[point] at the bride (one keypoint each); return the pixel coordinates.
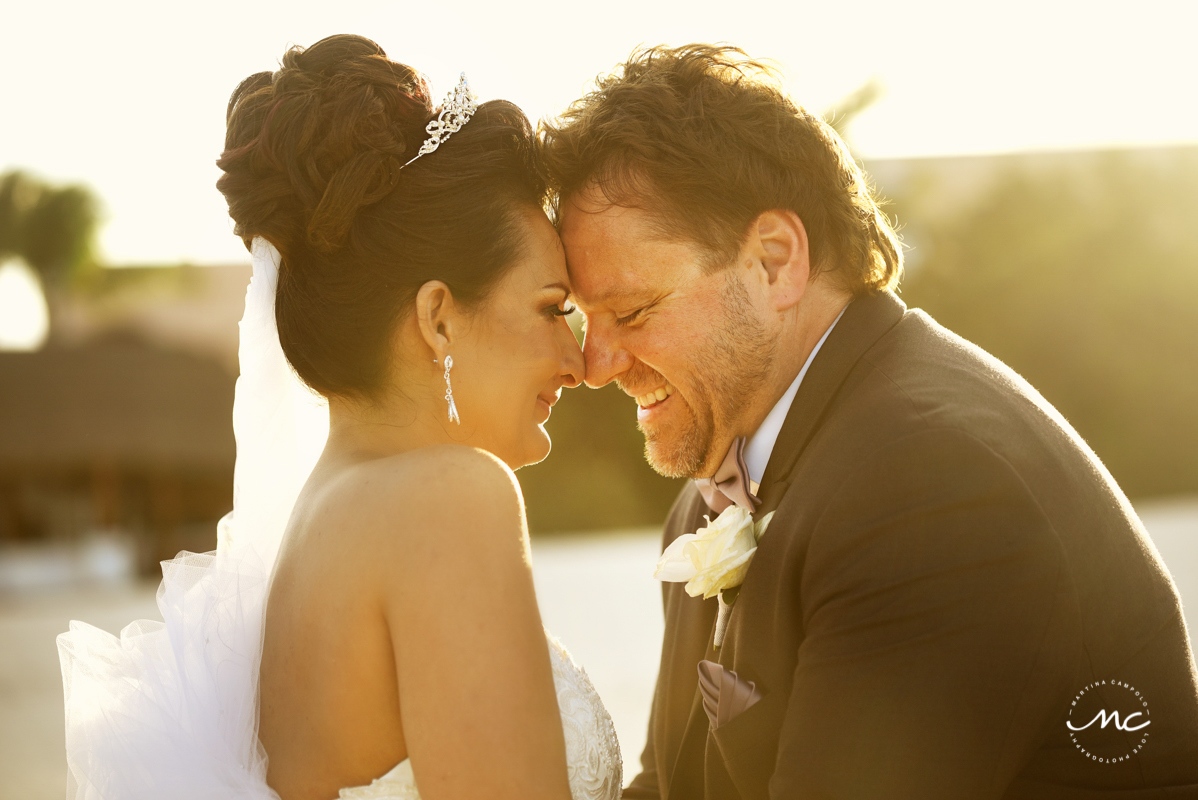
(367, 624)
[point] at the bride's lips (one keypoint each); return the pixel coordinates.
(546, 402)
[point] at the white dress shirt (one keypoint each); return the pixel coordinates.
(761, 445)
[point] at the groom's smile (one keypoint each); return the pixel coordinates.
(652, 400)
(665, 327)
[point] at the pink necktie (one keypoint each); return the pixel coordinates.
(730, 485)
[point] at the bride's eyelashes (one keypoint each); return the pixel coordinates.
(556, 310)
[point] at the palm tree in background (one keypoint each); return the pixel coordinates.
(52, 229)
(841, 115)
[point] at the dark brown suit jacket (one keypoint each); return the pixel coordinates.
(948, 565)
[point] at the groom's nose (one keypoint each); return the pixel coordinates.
(605, 358)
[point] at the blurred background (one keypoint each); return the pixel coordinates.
(1041, 159)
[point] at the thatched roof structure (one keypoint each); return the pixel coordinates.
(114, 403)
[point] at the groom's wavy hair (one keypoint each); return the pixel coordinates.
(313, 162)
(706, 140)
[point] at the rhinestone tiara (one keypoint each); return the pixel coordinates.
(457, 109)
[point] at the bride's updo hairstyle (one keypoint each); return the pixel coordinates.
(312, 163)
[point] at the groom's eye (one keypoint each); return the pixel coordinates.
(621, 321)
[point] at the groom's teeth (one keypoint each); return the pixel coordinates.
(655, 396)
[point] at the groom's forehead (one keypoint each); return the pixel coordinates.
(614, 251)
(600, 280)
(612, 292)
(584, 220)
(592, 232)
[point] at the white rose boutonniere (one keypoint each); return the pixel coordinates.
(714, 558)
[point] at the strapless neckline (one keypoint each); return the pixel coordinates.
(592, 750)
(398, 784)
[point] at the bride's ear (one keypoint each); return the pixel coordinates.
(435, 316)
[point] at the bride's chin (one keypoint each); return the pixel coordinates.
(537, 448)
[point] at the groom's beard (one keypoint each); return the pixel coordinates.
(731, 365)
(680, 451)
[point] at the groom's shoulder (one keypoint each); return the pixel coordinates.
(921, 380)
(920, 349)
(947, 380)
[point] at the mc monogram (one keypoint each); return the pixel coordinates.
(1118, 735)
(1123, 726)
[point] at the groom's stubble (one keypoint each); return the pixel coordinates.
(734, 361)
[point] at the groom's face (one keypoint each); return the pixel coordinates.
(678, 337)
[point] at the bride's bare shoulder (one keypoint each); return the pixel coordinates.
(447, 496)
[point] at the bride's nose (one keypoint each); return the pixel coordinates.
(573, 367)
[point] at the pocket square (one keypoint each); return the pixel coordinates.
(725, 694)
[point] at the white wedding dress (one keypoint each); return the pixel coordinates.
(592, 753)
(170, 709)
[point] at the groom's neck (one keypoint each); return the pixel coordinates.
(801, 330)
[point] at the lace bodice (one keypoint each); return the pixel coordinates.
(592, 752)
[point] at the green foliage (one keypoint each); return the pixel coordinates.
(52, 228)
(18, 195)
(1085, 281)
(59, 233)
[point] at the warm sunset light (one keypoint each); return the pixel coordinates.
(131, 102)
(621, 400)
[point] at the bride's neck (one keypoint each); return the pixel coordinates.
(362, 429)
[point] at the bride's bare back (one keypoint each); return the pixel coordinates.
(402, 622)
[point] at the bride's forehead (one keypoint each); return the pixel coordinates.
(544, 257)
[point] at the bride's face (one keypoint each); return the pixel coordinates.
(517, 352)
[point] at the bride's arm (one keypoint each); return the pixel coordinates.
(477, 701)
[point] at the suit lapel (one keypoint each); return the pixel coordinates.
(687, 773)
(864, 322)
(693, 621)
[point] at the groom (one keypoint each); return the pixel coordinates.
(951, 585)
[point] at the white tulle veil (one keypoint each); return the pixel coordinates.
(170, 709)
(279, 423)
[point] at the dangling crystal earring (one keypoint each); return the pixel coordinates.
(453, 408)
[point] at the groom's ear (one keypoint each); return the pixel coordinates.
(434, 316)
(778, 242)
